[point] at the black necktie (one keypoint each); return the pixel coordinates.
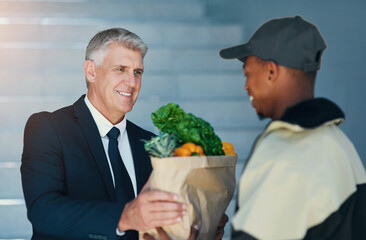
(122, 181)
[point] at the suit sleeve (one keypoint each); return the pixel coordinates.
(50, 210)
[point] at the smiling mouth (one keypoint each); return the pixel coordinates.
(251, 98)
(124, 94)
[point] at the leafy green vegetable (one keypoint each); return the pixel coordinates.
(188, 128)
(162, 145)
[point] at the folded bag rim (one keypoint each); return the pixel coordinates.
(167, 164)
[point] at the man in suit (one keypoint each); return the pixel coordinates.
(84, 166)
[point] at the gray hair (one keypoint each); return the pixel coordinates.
(97, 47)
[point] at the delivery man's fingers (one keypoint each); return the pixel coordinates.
(194, 232)
(221, 227)
(148, 237)
(162, 234)
(224, 220)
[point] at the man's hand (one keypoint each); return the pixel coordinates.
(151, 209)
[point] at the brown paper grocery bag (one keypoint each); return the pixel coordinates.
(206, 184)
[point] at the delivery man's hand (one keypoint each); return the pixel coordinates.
(221, 228)
(164, 236)
(194, 231)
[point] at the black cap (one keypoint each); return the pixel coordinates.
(290, 42)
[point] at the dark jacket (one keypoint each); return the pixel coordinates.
(66, 179)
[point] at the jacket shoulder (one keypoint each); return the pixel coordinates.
(46, 125)
(58, 114)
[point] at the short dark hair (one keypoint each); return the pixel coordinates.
(301, 75)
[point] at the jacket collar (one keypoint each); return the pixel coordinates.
(140, 157)
(103, 124)
(312, 113)
(308, 115)
(302, 116)
(92, 136)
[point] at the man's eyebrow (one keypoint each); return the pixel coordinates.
(139, 69)
(120, 66)
(123, 66)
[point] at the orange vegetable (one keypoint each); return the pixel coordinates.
(182, 152)
(199, 150)
(189, 149)
(228, 148)
(190, 146)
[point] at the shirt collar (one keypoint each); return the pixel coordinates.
(104, 126)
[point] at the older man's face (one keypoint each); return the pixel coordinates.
(117, 82)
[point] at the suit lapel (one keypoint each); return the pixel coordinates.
(140, 158)
(92, 136)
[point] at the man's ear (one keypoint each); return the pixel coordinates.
(90, 70)
(272, 71)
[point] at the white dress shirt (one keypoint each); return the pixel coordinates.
(104, 126)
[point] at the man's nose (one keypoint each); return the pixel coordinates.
(246, 86)
(130, 79)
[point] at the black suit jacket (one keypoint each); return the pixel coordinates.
(66, 179)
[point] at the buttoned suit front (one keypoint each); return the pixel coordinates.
(67, 182)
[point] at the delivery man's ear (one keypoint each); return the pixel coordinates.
(272, 70)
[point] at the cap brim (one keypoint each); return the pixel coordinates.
(240, 52)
